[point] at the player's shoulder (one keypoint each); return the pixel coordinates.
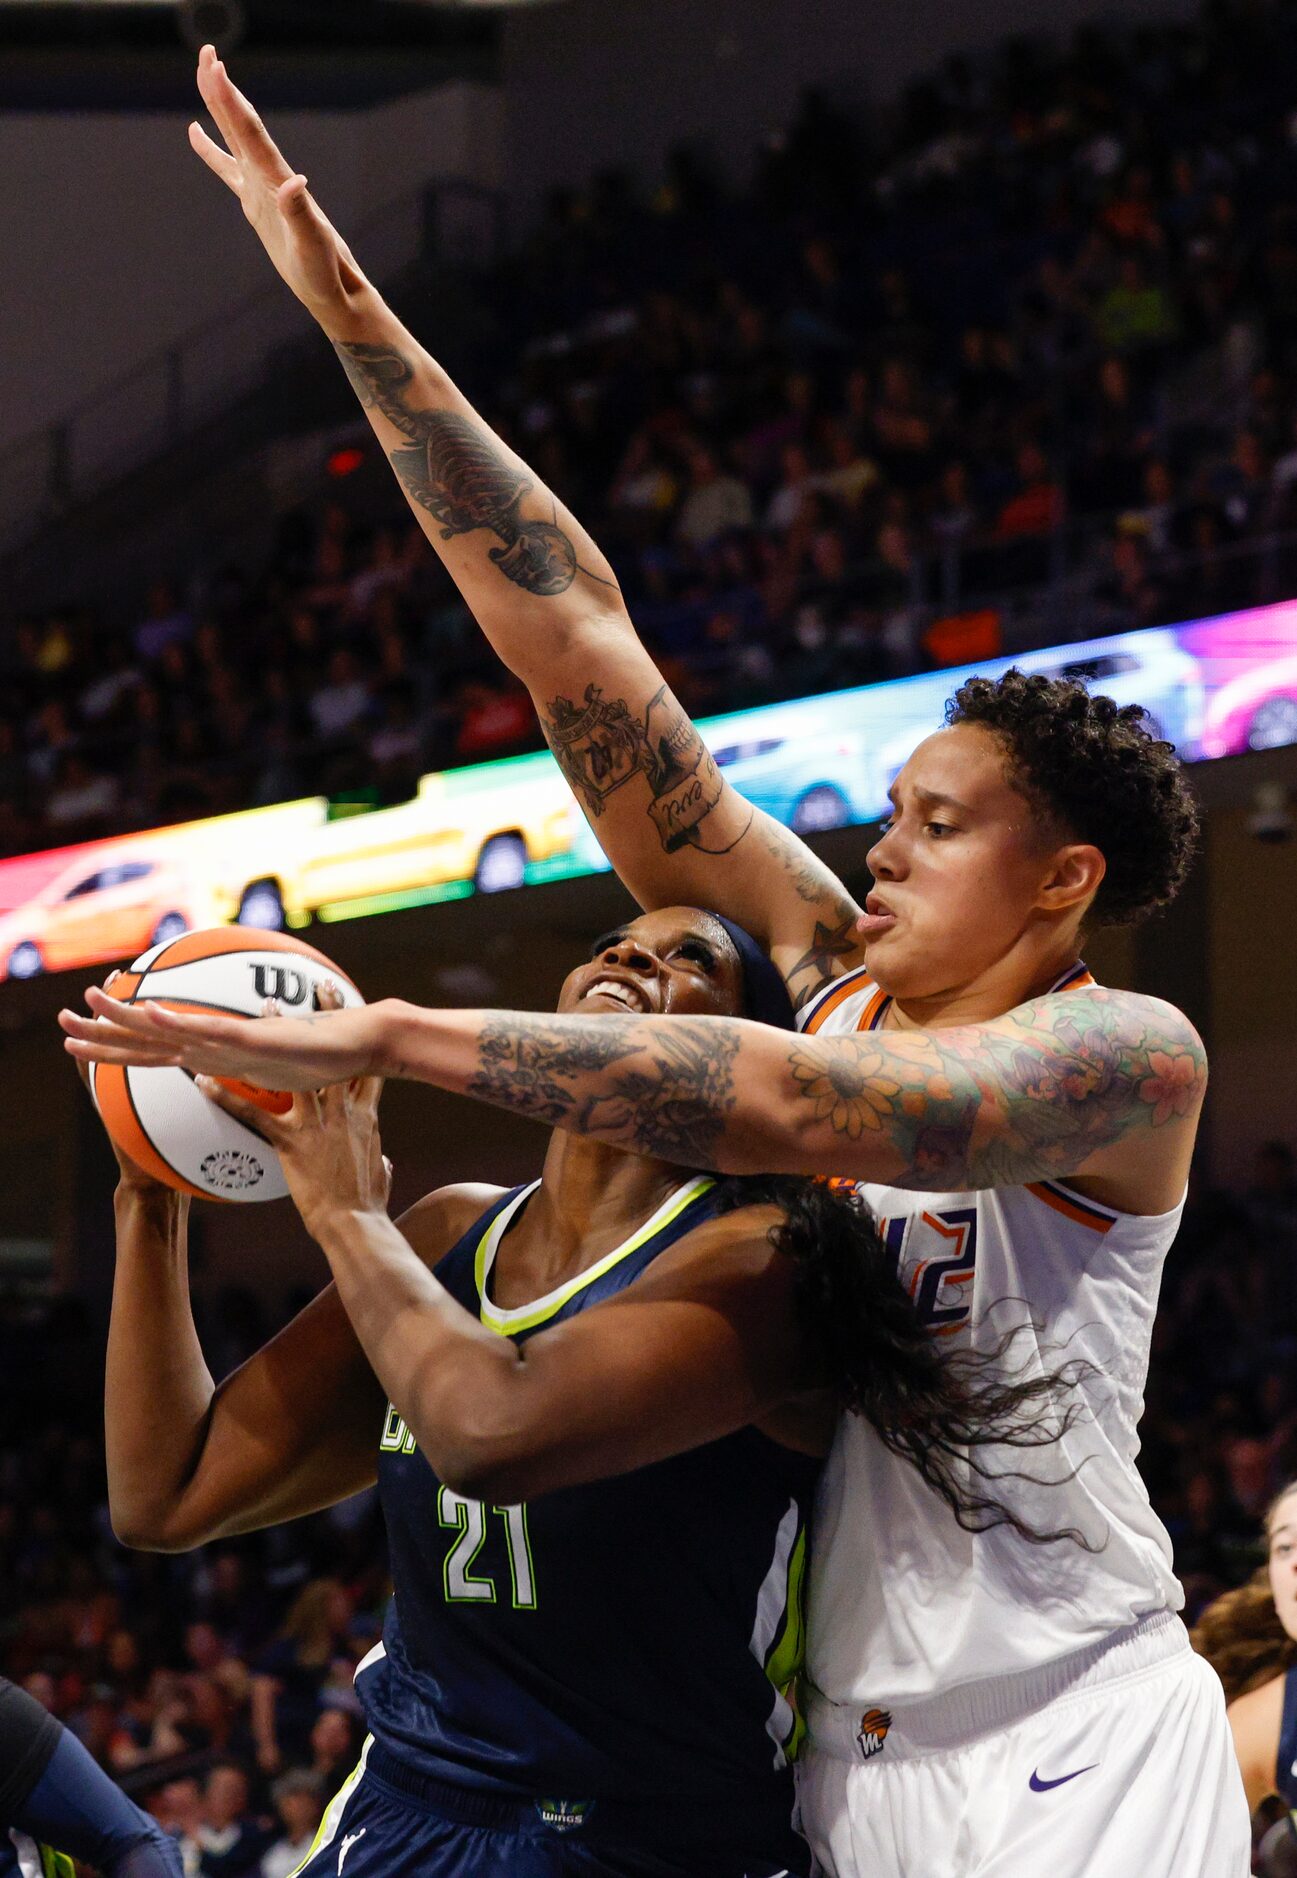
(434, 1223)
(731, 1249)
(1135, 1017)
(1260, 1706)
(1255, 1721)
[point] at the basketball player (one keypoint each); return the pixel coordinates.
(1250, 1637)
(1023, 1133)
(53, 1793)
(623, 1644)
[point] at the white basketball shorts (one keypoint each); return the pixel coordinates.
(1114, 1763)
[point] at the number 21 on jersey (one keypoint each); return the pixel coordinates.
(462, 1584)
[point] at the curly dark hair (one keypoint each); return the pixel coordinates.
(1094, 769)
(1241, 1633)
(938, 1409)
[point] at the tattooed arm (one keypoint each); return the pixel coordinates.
(1070, 1085)
(1099, 1086)
(544, 595)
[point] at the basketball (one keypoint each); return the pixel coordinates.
(158, 1116)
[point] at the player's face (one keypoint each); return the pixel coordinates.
(676, 962)
(959, 869)
(1283, 1560)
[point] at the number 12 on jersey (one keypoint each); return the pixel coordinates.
(936, 1259)
(462, 1584)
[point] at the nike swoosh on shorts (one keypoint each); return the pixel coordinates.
(1038, 1785)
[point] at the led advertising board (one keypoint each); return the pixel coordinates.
(1215, 687)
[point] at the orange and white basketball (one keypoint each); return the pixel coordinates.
(157, 1116)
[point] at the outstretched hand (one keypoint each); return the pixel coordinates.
(288, 1053)
(301, 241)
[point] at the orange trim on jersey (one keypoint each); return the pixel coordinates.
(873, 1011)
(1075, 978)
(846, 985)
(1072, 1206)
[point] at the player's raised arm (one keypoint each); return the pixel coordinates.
(542, 592)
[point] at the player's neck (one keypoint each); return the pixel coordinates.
(1011, 981)
(591, 1198)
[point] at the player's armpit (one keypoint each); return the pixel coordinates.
(674, 829)
(706, 1343)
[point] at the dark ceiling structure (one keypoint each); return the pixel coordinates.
(138, 54)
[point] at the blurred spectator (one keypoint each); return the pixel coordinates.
(492, 722)
(166, 622)
(299, 1802)
(178, 1809)
(292, 1667)
(340, 703)
(231, 1841)
(334, 1746)
(716, 503)
(1036, 506)
(1249, 1636)
(81, 798)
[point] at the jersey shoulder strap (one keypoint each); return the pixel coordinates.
(856, 1002)
(466, 1268)
(1286, 1760)
(851, 1002)
(456, 1267)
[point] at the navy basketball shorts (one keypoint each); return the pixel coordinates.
(377, 1828)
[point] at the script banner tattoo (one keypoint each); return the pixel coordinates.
(458, 471)
(600, 744)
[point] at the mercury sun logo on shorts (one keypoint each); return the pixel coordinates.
(872, 1732)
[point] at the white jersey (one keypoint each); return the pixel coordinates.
(906, 1605)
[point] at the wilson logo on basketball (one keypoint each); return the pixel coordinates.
(282, 982)
(872, 1732)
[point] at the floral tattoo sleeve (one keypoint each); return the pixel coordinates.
(1033, 1095)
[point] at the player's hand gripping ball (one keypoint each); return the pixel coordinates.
(157, 1116)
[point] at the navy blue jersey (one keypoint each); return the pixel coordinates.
(629, 1638)
(1286, 1765)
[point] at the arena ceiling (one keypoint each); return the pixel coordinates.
(137, 54)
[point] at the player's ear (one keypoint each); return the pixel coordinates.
(1072, 877)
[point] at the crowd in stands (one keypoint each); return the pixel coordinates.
(217, 1685)
(1014, 366)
